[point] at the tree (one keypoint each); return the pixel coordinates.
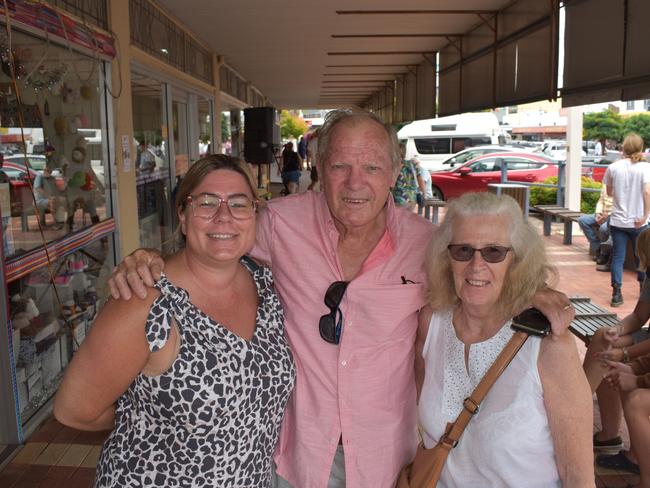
(603, 125)
(291, 126)
(639, 124)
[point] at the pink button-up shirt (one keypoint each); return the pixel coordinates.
(364, 388)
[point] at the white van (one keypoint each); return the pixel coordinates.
(434, 140)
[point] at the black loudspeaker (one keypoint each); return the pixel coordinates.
(261, 134)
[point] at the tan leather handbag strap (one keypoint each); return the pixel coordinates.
(472, 403)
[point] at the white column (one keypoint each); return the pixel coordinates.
(573, 168)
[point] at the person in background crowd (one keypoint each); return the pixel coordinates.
(628, 183)
(622, 343)
(291, 167)
(351, 297)
(49, 198)
(145, 160)
(406, 188)
(600, 221)
(302, 148)
(534, 427)
(194, 378)
(633, 382)
(598, 149)
(424, 182)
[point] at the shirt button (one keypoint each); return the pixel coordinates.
(344, 363)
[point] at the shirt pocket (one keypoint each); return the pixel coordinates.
(387, 313)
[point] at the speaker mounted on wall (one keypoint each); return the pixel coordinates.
(261, 134)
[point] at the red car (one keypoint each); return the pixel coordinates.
(476, 174)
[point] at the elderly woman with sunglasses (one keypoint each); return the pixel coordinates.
(534, 427)
(194, 378)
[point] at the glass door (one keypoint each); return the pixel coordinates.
(152, 162)
(180, 133)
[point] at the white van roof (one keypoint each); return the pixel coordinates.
(466, 124)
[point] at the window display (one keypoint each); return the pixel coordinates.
(57, 229)
(48, 321)
(59, 153)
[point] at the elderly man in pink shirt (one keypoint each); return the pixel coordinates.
(348, 268)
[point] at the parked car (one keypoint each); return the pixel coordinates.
(476, 174)
(36, 161)
(556, 149)
(472, 152)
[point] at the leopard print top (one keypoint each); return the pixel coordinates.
(213, 418)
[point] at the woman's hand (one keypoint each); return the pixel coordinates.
(139, 270)
(622, 381)
(614, 354)
(557, 308)
(612, 335)
(620, 376)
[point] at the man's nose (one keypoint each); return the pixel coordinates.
(355, 176)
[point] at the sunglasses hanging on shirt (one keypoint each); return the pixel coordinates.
(330, 324)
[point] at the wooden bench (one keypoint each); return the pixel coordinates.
(431, 207)
(589, 318)
(566, 215)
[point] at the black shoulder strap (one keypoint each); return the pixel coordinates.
(250, 263)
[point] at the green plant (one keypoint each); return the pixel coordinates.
(547, 196)
(589, 199)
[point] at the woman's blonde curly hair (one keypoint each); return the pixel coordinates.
(529, 271)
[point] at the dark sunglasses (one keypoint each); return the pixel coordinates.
(330, 324)
(490, 254)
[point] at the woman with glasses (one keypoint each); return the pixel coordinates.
(192, 380)
(534, 427)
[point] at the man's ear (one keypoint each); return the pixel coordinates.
(395, 175)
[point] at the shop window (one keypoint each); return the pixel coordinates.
(50, 321)
(55, 165)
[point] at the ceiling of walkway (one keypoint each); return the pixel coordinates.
(310, 53)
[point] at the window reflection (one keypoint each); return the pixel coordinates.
(60, 152)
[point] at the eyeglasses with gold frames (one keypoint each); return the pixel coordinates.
(207, 205)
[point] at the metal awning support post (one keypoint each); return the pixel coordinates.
(574, 158)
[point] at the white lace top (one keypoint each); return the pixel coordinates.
(508, 442)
